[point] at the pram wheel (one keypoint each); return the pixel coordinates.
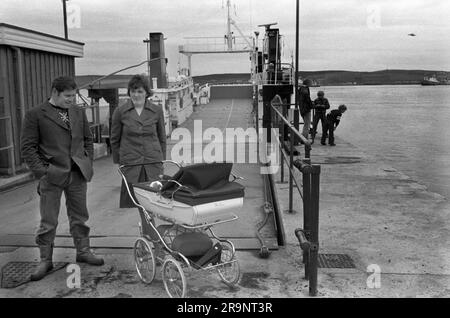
(229, 273)
(144, 260)
(173, 278)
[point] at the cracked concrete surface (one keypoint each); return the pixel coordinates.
(369, 210)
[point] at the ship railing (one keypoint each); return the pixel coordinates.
(184, 82)
(95, 124)
(308, 187)
(277, 73)
(195, 45)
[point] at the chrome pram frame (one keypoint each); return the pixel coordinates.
(150, 250)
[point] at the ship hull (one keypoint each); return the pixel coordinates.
(428, 83)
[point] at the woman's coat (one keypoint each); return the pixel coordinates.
(138, 139)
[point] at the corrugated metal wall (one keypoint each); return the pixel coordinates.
(39, 69)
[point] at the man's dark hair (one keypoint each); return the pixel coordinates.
(138, 81)
(342, 107)
(307, 82)
(63, 83)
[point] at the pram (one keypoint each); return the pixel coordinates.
(190, 202)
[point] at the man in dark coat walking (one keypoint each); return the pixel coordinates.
(305, 105)
(57, 146)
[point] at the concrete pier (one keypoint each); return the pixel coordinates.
(370, 211)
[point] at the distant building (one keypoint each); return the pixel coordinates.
(29, 60)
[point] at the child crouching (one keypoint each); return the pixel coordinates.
(331, 122)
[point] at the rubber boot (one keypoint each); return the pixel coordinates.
(84, 253)
(46, 263)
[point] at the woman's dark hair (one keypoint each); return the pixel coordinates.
(63, 83)
(138, 81)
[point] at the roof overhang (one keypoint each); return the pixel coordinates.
(15, 36)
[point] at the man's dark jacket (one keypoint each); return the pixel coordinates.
(50, 147)
(305, 103)
(334, 117)
(321, 105)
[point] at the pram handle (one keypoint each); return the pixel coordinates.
(236, 177)
(179, 187)
(140, 164)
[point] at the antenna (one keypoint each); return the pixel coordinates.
(267, 26)
(231, 44)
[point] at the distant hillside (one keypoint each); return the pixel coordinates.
(324, 78)
(385, 77)
(337, 77)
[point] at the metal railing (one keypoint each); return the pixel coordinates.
(309, 190)
(94, 125)
(279, 73)
(10, 146)
(215, 44)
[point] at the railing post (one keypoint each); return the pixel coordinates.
(297, 30)
(281, 142)
(314, 230)
(306, 173)
(309, 235)
(291, 166)
(308, 151)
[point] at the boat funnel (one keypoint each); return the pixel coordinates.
(158, 67)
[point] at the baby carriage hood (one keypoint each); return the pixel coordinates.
(203, 183)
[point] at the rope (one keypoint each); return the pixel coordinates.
(121, 70)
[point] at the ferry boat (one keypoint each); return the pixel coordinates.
(430, 80)
(176, 95)
(434, 80)
(177, 100)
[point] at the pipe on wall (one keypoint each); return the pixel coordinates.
(20, 85)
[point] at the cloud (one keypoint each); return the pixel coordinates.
(344, 33)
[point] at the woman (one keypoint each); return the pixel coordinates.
(137, 136)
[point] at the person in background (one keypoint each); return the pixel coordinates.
(305, 105)
(138, 135)
(321, 105)
(57, 146)
(331, 123)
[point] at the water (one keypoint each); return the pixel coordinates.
(408, 126)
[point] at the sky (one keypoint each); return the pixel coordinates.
(355, 35)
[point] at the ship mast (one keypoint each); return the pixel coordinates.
(214, 45)
(229, 33)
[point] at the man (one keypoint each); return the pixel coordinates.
(321, 105)
(305, 105)
(57, 146)
(331, 123)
